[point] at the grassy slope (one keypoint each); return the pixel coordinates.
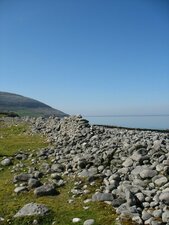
(14, 138)
(25, 106)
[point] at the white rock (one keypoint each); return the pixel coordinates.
(89, 222)
(6, 162)
(76, 220)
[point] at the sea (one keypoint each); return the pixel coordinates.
(160, 122)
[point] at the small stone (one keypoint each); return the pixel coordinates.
(148, 173)
(89, 222)
(56, 176)
(76, 220)
(157, 213)
(137, 219)
(18, 190)
(164, 197)
(86, 207)
(128, 162)
(1, 219)
(35, 222)
(161, 181)
(32, 183)
(146, 215)
(102, 197)
(87, 200)
(6, 162)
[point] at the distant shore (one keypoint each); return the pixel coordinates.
(130, 128)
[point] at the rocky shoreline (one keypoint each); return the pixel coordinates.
(133, 166)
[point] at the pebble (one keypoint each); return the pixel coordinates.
(76, 220)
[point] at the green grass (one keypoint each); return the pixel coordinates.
(14, 138)
(61, 211)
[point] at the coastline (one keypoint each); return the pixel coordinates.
(131, 128)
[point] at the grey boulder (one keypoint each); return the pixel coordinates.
(102, 197)
(148, 173)
(22, 177)
(164, 197)
(46, 189)
(32, 209)
(33, 183)
(165, 216)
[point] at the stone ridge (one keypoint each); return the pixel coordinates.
(132, 165)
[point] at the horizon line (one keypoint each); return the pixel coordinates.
(127, 115)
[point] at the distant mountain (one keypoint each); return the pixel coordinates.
(24, 106)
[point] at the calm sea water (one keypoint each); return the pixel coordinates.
(150, 122)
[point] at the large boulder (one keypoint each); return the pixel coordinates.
(32, 209)
(22, 177)
(46, 189)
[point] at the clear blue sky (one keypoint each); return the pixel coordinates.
(89, 57)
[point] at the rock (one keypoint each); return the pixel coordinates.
(18, 190)
(157, 144)
(21, 156)
(128, 162)
(88, 172)
(2, 219)
(37, 174)
(22, 177)
(161, 181)
(165, 216)
(89, 222)
(164, 197)
(59, 183)
(33, 183)
(34, 222)
(130, 198)
(32, 209)
(76, 220)
(157, 213)
(137, 219)
(117, 202)
(146, 215)
(148, 173)
(6, 162)
(56, 176)
(122, 209)
(140, 196)
(102, 197)
(156, 222)
(136, 156)
(46, 189)
(57, 168)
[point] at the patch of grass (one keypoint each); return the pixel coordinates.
(61, 211)
(14, 138)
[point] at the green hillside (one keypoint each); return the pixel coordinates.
(25, 106)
